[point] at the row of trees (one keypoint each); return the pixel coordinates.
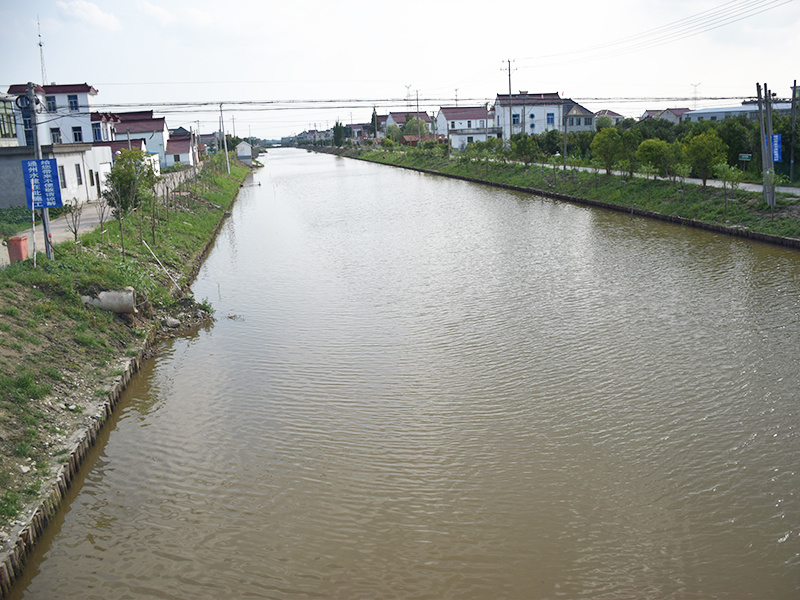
(654, 145)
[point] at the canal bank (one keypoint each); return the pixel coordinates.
(65, 365)
(728, 212)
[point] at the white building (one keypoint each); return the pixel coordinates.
(64, 129)
(747, 109)
(466, 124)
(63, 114)
(143, 126)
(529, 113)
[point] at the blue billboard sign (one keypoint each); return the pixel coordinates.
(777, 153)
(42, 188)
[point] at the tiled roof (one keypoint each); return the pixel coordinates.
(400, 117)
(139, 115)
(179, 146)
(123, 145)
(529, 99)
(452, 113)
(143, 126)
(70, 88)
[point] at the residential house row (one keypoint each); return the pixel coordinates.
(462, 125)
(531, 113)
(83, 141)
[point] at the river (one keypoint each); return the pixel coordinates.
(418, 387)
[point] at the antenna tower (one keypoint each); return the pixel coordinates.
(41, 52)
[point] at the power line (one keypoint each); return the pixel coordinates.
(702, 22)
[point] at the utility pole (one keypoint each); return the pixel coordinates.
(510, 102)
(224, 139)
(795, 98)
(765, 126)
(564, 150)
(419, 123)
(32, 100)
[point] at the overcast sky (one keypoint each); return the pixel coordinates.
(349, 55)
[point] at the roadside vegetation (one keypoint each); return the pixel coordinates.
(58, 356)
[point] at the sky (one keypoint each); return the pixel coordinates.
(279, 68)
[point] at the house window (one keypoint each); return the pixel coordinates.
(469, 124)
(97, 132)
(55, 135)
(713, 118)
(78, 174)
(73, 102)
(27, 125)
(570, 121)
(51, 103)
(483, 123)
(77, 135)
(532, 126)
(452, 124)
(515, 119)
(176, 158)
(62, 177)
(469, 139)
(551, 118)
(8, 125)
(91, 177)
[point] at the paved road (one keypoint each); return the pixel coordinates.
(59, 231)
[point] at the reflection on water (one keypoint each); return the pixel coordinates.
(422, 388)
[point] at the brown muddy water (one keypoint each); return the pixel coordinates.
(424, 388)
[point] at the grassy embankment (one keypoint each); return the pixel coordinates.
(708, 204)
(58, 356)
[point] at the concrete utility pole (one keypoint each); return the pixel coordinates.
(765, 126)
(795, 99)
(224, 139)
(510, 104)
(419, 123)
(32, 100)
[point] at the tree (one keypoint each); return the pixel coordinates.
(550, 141)
(394, 133)
(338, 134)
(607, 146)
(655, 153)
(631, 139)
(704, 152)
(128, 185)
(524, 148)
(374, 124)
(414, 126)
(731, 177)
(604, 121)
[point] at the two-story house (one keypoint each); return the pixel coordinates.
(529, 113)
(466, 124)
(141, 125)
(577, 117)
(64, 132)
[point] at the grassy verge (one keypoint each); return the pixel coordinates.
(59, 356)
(737, 208)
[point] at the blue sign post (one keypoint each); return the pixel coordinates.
(777, 150)
(42, 188)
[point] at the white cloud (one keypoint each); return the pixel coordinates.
(161, 15)
(82, 10)
(200, 18)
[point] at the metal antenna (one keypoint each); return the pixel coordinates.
(41, 52)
